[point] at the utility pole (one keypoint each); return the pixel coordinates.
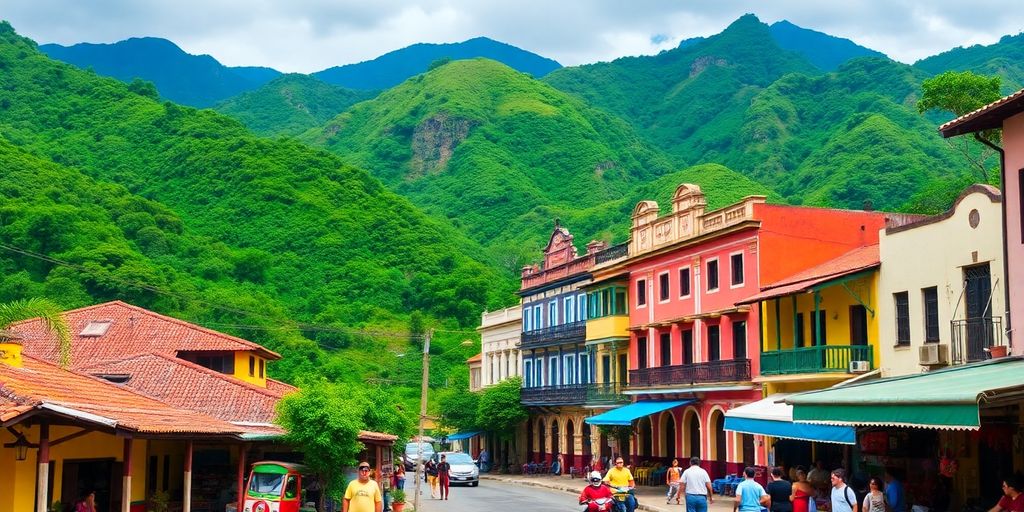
(423, 416)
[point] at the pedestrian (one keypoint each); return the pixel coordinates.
(803, 492)
(621, 478)
(874, 500)
(444, 474)
(750, 496)
(894, 494)
(400, 477)
(696, 486)
(780, 490)
(363, 494)
(485, 461)
(672, 476)
(431, 469)
(87, 503)
(843, 498)
(1013, 499)
(819, 477)
(556, 467)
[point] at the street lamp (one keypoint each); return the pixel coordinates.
(21, 446)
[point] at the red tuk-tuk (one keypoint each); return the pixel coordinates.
(274, 487)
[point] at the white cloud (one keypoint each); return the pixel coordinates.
(309, 35)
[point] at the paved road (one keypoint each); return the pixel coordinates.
(491, 496)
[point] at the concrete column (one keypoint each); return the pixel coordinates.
(485, 369)
(186, 505)
(241, 476)
(126, 479)
(43, 472)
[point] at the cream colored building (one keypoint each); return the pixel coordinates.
(499, 345)
(941, 286)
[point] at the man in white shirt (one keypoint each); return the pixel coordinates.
(843, 498)
(696, 485)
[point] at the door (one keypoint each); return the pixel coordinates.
(858, 326)
(102, 477)
(978, 305)
(606, 369)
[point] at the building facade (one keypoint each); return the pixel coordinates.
(499, 344)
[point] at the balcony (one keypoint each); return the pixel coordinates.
(575, 332)
(606, 393)
(730, 370)
(972, 336)
(818, 359)
(563, 394)
(612, 253)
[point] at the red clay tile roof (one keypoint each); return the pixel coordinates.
(857, 260)
(187, 385)
(65, 392)
(476, 359)
(280, 388)
(366, 435)
(133, 330)
(985, 118)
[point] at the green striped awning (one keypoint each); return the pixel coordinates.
(945, 399)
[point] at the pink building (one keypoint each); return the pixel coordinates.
(1007, 114)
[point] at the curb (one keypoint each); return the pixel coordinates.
(555, 487)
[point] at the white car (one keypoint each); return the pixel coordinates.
(464, 469)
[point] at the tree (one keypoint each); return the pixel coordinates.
(323, 422)
(459, 408)
(49, 313)
(500, 409)
(962, 92)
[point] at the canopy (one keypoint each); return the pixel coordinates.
(944, 399)
(459, 436)
(769, 417)
(625, 415)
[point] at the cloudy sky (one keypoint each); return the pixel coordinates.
(309, 35)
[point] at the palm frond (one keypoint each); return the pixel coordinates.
(49, 313)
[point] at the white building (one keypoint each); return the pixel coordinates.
(499, 341)
(941, 286)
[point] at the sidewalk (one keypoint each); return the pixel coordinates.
(650, 498)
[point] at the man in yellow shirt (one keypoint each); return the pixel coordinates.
(363, 495)
(622, 478)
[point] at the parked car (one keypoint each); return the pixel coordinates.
(464, 468)
(411, 457)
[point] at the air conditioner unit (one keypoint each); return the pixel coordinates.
(860, 366)
(933, 354)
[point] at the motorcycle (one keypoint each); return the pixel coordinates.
(601, 504)
(622, 495)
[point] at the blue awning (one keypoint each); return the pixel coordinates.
(463, 435)
(626, 414)
(768, 417)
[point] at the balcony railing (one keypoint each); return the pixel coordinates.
(612, 253)
(973, 335)
(565, 394)
(606, 393)
(555, 335)
(728, 370)
(818, 359)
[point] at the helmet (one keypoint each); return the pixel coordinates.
(595, 478)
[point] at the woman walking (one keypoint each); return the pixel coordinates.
(431, 469)
(400, 477)
(874, 501)
(444, 476)
(672, 476)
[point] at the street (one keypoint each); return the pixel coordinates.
(491, 495)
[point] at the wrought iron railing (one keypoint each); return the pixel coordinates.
(563, 394)
(972, 336)
(555, 335)
(727, 370)
(818, 359)
(612, 253)
(606, 393)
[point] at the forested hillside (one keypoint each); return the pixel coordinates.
(1005, 58)
(291, 104)
(189, 213)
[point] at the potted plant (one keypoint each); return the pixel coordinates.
(397, 500)
(158, 502)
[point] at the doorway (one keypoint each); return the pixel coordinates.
(858, 326)
(978, 303)
(102, 477)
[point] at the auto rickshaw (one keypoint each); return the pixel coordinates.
(275, 487)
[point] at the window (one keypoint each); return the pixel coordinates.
(687, 338)
(218, 363)
(930, 296)
(538, 372)
(739, 340)
(712, 275)
(902, 300)
(581, 307)
(151, 474)
(96, 328)
(801, 341)
(553, 313)
(263, 369)
(552, 370)
(714, 343)
(538, 323)
(663, 287)
(641, 353)
(684, 282)
(619, 301)
(819, 337)
(252, 366)
(584, 368)
(569, 305)
(568, 369)
(641, 293)
(528, 373)
(527, 319)
(736, 266)
(167, 472)
(666, 349)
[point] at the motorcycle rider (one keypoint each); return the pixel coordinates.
(621, 480)
(595, 491)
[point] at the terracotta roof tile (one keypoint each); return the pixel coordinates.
(187, 385)
(959, 126)
(280, 388)
(476, 359)
(43, 384)
(376, 436)
(859, 259)
(133, 330)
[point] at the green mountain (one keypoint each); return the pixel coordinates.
(1005, 58)
(290, 104)
(494, 150)
(688, 101)
(824, 51)
(196, 80)
(327, 239)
